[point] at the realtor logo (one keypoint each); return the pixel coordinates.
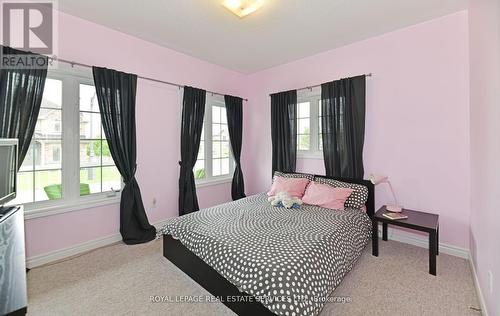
(28, 26)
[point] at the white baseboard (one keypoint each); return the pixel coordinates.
(482, 302)
(61, 254)
(423, 242)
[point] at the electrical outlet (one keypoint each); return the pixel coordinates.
(490, 281)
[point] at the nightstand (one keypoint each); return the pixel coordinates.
(421, 221)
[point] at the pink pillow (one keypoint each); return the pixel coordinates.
(294, 186)
(326, 196)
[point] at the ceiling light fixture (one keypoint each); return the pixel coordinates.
(243, 8)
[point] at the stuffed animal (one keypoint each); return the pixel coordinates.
(283, 199)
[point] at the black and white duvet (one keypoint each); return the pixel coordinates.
(290, 259)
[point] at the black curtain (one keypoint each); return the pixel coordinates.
(234, 110)
(284, 130)
(343, 126)
(193, 111)
(21, 91)
(116, 97)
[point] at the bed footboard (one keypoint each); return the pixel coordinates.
(239, 302)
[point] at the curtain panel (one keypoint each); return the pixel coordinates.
(21, 91)
(284, 131)
(116, 93)
(343, 126)
(234, 110)
(193, 112)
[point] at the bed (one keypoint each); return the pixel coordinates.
(262, 260)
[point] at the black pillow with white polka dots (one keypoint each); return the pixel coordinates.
(358, 197)
(310, 177)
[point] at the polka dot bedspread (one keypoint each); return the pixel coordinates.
(289, 259)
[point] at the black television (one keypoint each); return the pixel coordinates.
(8, 169)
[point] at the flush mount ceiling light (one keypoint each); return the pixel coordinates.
(243, 8)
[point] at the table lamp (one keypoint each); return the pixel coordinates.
(377, 179)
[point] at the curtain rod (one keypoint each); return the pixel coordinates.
(74, 63)
(319, 85)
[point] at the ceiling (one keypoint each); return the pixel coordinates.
(282, 31)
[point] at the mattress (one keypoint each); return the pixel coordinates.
(289, 259)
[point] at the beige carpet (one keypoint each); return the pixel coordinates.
(119, 280)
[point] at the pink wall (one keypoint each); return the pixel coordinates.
(157, 129)
(484, 17)
(417, 128)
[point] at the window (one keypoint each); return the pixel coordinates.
(303, 125)
(97, 169)
(320, 131)
(215, 160)
(41, 171)
(68, 141)
(309, 136)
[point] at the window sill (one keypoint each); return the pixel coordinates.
(310, 155)
(214, 181)
(36, 210)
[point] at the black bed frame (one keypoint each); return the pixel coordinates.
(239, 302)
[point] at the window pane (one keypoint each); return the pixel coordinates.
(52, 94)
(111, 179)
(216, 167)
(88, 98)
(216, 149)
(216, 133)
(201, 151)
(225, 166)
(223, 115)
(37, 153)
(106, 154)
(224, 149)
(90, 180)
(303, 142)
(224, 132)
(48, 125)
(303, 126)
(28, 160)
(48, 154)
(90, 153)
(216, 114)
(320, 139)
(304, 109)
(48, 185)
(24, 188)
(90, 125)
(199, 169)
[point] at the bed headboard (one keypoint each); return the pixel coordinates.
(370, 203)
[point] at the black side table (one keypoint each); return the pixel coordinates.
(421, 221)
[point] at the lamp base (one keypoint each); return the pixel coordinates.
(394, 208)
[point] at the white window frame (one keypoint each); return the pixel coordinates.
(70, 126)
(212, 101)
(312, 96)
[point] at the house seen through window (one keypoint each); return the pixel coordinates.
(68, 143)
